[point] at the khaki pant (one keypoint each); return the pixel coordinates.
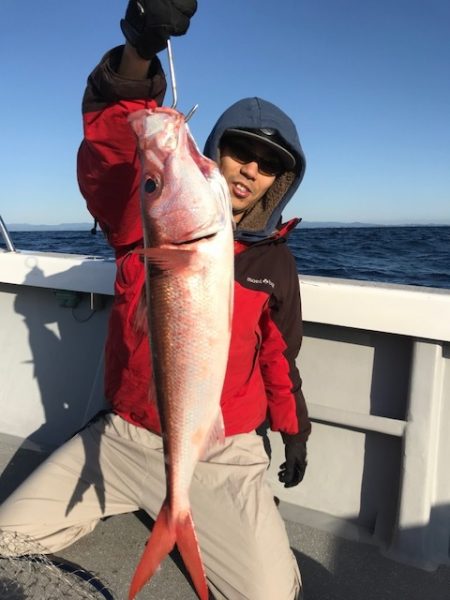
(112, 467)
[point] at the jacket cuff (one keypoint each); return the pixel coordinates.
(105, 85)
(296, 438)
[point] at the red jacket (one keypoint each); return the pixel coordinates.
(262, 379)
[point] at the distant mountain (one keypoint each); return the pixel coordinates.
(337, 224)
(60, 227)
(88, 226)
(319, 224)
(303, 224)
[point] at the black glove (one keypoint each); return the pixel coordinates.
(293, 470)
(148, 24)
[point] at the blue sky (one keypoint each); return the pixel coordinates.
(367, 83)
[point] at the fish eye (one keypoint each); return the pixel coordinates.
(150, 186)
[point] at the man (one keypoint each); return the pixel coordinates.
(115, 464)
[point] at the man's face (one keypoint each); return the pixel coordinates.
(249, 168)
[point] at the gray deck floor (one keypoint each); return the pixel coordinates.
(332, 568)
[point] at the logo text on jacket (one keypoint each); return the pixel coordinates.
(263, 281)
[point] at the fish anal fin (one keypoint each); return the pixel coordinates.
(216, 435)
(161, 541)
(190, 552)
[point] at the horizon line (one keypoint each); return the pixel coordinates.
(88, 226)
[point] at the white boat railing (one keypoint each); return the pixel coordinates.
(6, 237)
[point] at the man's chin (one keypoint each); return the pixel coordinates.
(240, 206)
(240, 210)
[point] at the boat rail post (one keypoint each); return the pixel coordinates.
(421, 533)
(7, 238)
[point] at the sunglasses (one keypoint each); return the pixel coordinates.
(243, 153)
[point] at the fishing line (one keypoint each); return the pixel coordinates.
(173, 82)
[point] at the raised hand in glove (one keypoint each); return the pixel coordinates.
(293, 470)
(148, 24)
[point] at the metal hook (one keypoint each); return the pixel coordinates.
(173, 82)
(191, 112)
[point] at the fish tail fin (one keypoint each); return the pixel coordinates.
(161, 541)
(163, 537)
(190, 552)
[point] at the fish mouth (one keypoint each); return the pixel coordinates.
(202, 233)
(195, 240)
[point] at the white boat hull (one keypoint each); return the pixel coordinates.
(376, 369)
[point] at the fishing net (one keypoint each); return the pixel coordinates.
(39, 577)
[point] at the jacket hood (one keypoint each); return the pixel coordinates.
(255, 113)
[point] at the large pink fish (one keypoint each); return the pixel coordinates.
(188, 249)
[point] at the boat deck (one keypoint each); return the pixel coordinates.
(333, 568)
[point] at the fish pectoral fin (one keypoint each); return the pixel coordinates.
(168, 259)
(160, 543)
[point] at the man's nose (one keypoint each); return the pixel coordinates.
(250, 169)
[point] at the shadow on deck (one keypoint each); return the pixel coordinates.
(332, 568)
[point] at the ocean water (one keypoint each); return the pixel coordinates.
(405, 255)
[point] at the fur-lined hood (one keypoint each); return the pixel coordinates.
(262, 219)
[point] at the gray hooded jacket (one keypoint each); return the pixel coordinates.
(262, 219)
